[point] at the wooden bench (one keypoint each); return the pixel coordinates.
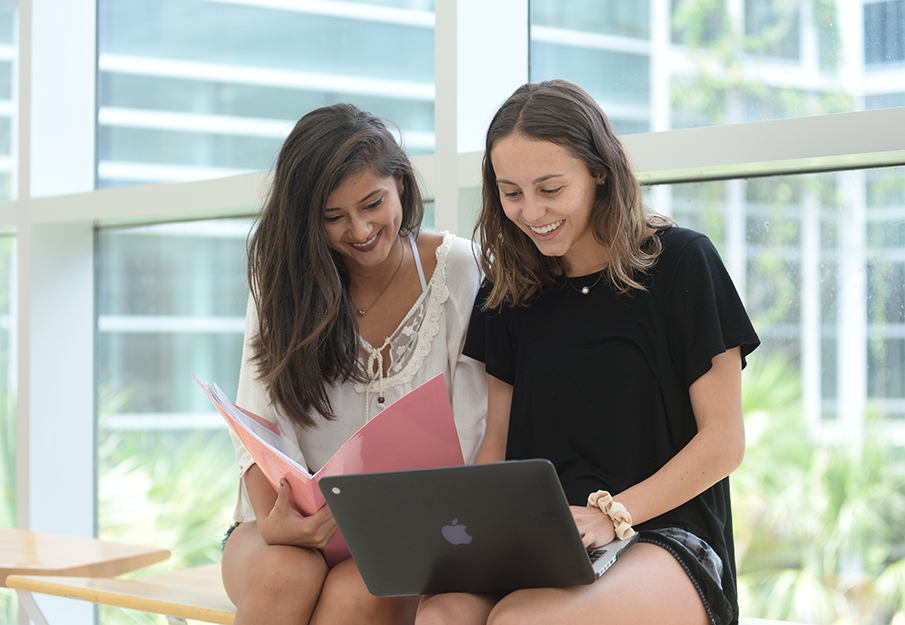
(23, 552)
(84, 568)
(195, 593)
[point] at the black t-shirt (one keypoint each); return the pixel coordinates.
(600, 381)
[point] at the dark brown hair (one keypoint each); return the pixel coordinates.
(307, 331)
(563, 113)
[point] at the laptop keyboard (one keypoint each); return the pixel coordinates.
(596, 554)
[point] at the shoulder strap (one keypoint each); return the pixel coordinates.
(418, 262)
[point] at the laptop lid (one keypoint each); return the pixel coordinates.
(477, 528)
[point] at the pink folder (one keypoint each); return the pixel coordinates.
(415, 432)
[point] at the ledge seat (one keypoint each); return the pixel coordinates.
(195, 593)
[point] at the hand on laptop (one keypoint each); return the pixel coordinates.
(595, 527)
(287, 526)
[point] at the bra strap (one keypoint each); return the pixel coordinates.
(418, 263)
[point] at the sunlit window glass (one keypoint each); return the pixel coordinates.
(712, 62)
(191, 89)
(772, 29)
(8, 436)
(7, 383)
(604, 46)
(171, 303)
(8, 21)
(820, 263)
(884, 41)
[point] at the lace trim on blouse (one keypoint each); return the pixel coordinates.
(411, 342)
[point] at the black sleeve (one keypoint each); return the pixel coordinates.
(706, 314)
(488, 338)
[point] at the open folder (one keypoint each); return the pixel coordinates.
(415, 432)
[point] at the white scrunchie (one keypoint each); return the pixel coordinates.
(622, 519)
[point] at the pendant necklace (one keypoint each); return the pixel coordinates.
(586, 288)
(361, 313)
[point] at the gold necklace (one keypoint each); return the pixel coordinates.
(361, 313)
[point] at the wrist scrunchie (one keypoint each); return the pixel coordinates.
(622, 519)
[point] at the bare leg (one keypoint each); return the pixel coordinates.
(345, 600)
(273, 584)
(647, 586)
(455, 608)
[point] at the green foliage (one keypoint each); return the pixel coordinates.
(166, 489)
(726, 87)
(169, 490)
(818, 527)
(8, 437)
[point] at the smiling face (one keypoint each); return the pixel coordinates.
(363, 216)
(548, 193)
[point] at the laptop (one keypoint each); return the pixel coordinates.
(477, 528)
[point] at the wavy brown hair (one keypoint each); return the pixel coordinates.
(563, 113)
(307, 338)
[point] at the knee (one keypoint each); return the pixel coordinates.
(347, 598)
(433, 611)
(454, 609)
(281, 571)
(511, 614)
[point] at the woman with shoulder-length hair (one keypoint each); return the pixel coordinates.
(351, 307)
(614, 343)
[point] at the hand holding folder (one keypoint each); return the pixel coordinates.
(416, 432)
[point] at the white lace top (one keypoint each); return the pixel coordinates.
(427, 342)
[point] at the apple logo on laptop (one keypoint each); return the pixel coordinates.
(455, 533)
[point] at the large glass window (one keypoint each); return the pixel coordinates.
(720, 61)
(884, 42)
(604, 46)
(8, 421)
(820, 263)
(7, 383)
(8, 21)
(191, 89)
(171, 303)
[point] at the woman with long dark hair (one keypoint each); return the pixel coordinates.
(351, 307)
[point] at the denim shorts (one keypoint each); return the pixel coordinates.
(229, 531)
(702, 565)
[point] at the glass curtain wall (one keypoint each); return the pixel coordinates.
(819, 260)
(8, 20)
(711, 62)
(171, 304)
(193, 89)
(8, 10)
(8, 351)
(7, 382)
(818, 502)
(7, 251)
(8, 436)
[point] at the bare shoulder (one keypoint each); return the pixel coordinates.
(428, 242)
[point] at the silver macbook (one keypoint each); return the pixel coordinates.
(477, 528)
